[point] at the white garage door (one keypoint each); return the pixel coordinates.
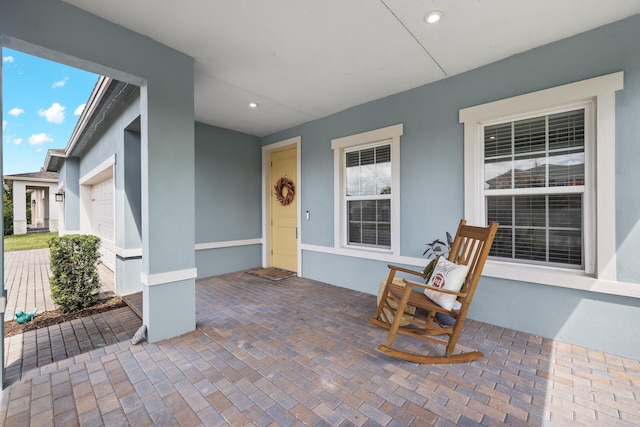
(102, 220)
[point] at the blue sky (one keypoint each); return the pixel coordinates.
(41, 103)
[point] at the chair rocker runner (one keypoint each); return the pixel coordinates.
(469, 250)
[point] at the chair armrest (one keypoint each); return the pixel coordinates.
(432, 288)
(406, 270)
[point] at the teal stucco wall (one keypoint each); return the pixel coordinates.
(432, 179)
(60, 32)
(228, 201)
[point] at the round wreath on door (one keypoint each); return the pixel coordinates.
(285, 191)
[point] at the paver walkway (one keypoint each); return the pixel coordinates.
(27, 282)
(299, 352)
(41, 347)
(26, 279)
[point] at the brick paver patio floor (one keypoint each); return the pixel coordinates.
(301, 352)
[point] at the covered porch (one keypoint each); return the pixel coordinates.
(301, 352)
(232, 349)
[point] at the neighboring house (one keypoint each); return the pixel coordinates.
(176, 199)
(40, 189)
(561, 176)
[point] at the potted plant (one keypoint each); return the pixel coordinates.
(434, 251)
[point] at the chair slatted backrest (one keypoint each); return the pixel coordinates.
(471, 247)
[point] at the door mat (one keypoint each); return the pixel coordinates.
(272, 273)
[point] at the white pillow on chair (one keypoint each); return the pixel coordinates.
(449, 276)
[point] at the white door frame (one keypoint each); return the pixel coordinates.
(266, 195)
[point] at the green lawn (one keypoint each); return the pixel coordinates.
(27, 241)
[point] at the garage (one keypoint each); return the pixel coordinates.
(102, 220)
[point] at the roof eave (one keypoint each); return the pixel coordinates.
(98, 92)
(53, 160)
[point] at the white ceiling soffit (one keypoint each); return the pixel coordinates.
(303, 60)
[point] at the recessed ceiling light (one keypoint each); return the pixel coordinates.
(433, 17)
(253, 104)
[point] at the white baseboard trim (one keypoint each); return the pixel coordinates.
(129, 253)
(168, 277)
(571, 280)
(227, 244)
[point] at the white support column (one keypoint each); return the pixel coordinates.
(54, 209)
(19, 208)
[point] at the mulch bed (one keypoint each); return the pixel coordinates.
(49, 318)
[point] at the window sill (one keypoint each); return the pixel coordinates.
(367, 253)
(367, 249)
(563, 278)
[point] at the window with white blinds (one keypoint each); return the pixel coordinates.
(542, 164)
(367, 191)
(368, 196)
(534, 182)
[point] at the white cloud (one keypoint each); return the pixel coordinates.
(40, 138)
(15, 111)
(60, 83)
(17, 141)
(8, 59)
(53, 114)
(39, 150)
(79, 110)
(4, 124)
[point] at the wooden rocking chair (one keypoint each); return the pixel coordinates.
(470, 248)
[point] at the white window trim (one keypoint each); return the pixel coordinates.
(339, 145)
(587, 192)
(601, 92)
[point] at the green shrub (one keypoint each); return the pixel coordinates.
(75, 283)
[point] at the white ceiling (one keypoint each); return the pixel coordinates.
(301, 60)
